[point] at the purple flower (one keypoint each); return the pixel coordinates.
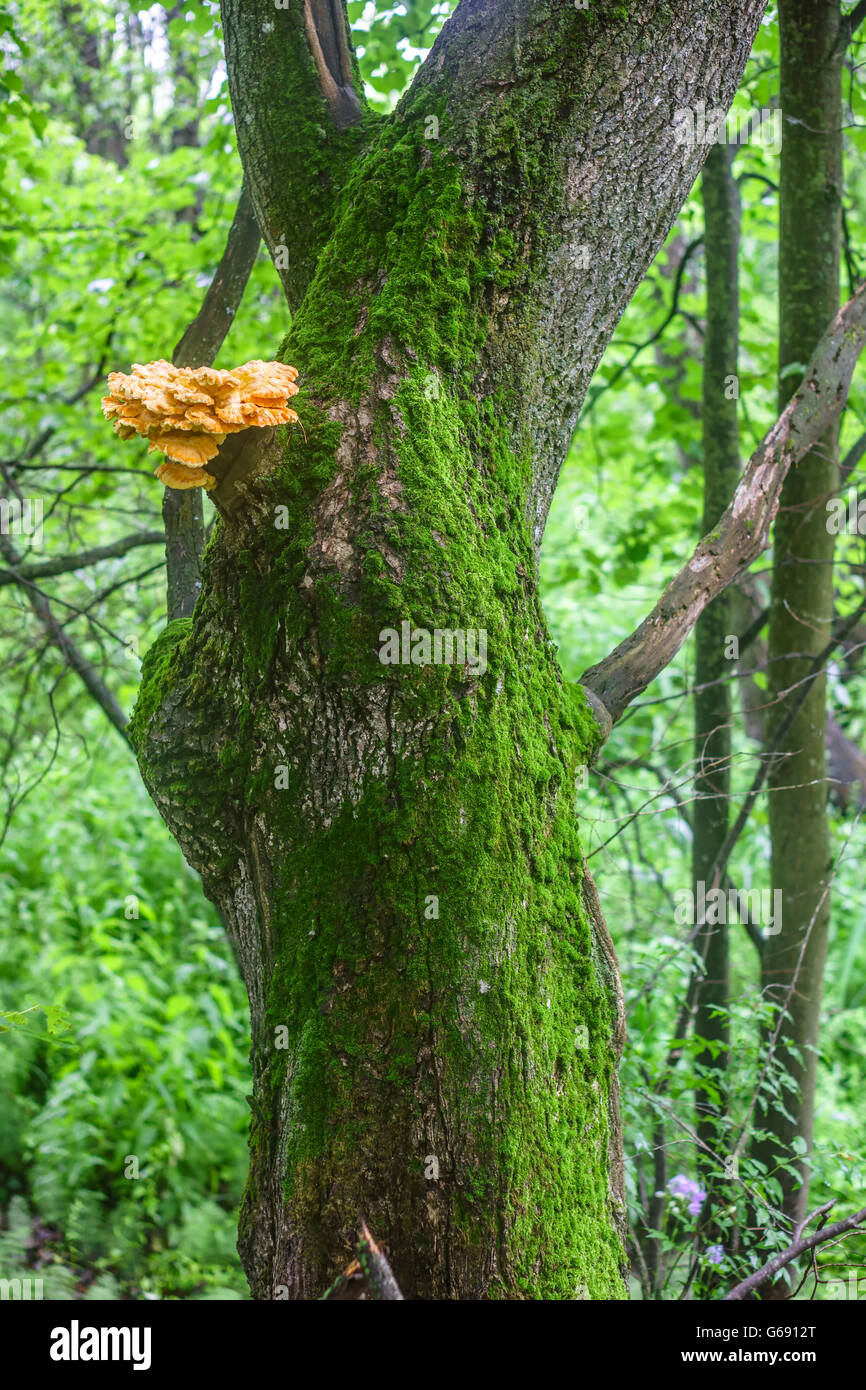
(714, 1254)
(681, 1186)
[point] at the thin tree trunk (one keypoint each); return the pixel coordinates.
(802, 594)
(183, 512)
(713, 657)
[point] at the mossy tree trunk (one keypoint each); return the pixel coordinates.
(801, 611)
(435, 1014)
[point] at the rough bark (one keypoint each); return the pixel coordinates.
(801, 612)
(183, 518)
(435, 1011)
(713, 708)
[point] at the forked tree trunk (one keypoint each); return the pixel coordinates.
(434, 1000)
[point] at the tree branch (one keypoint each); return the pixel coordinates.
(596, 391)
(368, 1276)
(205, 335)
(75, 659)
(851, 459)
(849, 24)
(743, 532)
(63, 564)
(799, 1247)
(183, 512)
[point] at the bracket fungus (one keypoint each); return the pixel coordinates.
(186, 412)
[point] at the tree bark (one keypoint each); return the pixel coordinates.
(801, 611)
(435, 1009)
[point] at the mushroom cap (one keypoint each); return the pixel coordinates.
(179, 475)
(267, 377)
(186, 412)
(279, 415)
(193, 449)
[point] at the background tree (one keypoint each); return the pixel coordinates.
(801, 614)
(713, 632)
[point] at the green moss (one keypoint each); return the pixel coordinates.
(156, 677)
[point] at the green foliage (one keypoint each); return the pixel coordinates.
(392, 41)
(152, 1064)
(25, 1256)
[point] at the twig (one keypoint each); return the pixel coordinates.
(368, 1276)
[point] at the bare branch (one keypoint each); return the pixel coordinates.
(368, 1276)
(596, 391)
(799, 1247)
(849, 24)
(62, 564)
(205, 335)
(74, 657)
(851, 459)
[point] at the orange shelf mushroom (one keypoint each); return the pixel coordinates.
(186, 412)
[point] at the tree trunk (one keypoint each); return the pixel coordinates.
(434, 997)
(713, 658)
(802, 595)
